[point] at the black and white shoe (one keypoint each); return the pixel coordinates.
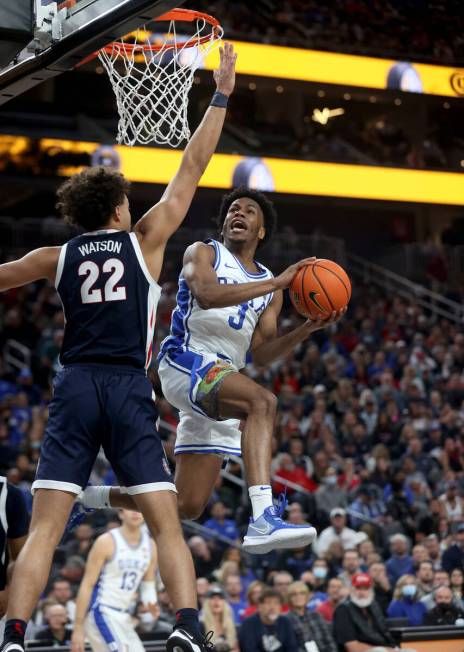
(13, 647)
(182, 641)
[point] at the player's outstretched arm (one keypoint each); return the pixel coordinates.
(36, 265)
(101, 551)
(161, 221)
(267, 347)
(203, 282)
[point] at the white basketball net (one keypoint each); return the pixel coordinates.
(152, 87)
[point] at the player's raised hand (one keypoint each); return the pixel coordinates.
(224, 76)
(316, 324)
(285, 279)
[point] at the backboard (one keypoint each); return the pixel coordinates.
(68, 31)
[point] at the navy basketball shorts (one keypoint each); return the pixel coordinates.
(97, 406)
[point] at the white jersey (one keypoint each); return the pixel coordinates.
(121, 575)
(225, 332)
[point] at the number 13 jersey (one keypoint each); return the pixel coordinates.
(121, 575)
(223, 331)
(109, 300)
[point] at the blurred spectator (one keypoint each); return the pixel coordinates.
(400, 562)
(338, 531)
(281, 580)
(405, 602)
(382, 587)
(268, 629)
(351, 566)
(335, 594)
(453, 557)
(217, 617)
(308, 626)
(149, 621)
(445, 612)
(425, 577)
(203, 586)
(233, 591)
(358, 621)
(205, 561)
(457, 584)
(253, 593)
(330, 495)
(218, 522)
(56, 632)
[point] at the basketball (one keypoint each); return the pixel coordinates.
(319, 288)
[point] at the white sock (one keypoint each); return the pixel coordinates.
(261, 497)
(95, 497)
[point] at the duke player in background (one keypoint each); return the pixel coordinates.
(120, 563)
(227, 304)
(107, 282)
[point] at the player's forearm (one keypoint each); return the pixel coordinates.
(268, 352)
(203, 143)
(217, 295)
(82, 603)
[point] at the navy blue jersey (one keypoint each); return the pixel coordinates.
(109, 300)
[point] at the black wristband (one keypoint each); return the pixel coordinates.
(220, 100)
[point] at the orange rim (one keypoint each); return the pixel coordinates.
(178, 15)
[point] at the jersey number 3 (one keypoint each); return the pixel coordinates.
(91, 271)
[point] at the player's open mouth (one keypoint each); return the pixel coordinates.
(238, 226)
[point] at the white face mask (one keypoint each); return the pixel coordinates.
(146, 619)
(320, 573)
(331, 480)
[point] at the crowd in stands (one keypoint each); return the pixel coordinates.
(369, 443)
(410, 29)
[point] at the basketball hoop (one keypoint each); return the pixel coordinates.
(152, 75)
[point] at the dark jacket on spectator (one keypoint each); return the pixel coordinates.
(254, 636)
(453, 557)
(351, 623)
(312, 627)
(443, 615)
(48, 637)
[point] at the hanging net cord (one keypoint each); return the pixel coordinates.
(152, 86)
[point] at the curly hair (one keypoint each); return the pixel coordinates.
(89, 198)
(267, 207)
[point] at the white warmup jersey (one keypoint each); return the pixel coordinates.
(226, 332)
(108, 625)
(121, 575)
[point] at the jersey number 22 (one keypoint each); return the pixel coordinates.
(91, 271)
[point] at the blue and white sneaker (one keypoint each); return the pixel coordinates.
(270, 532)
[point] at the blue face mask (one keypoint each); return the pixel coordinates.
(409, 590)
(320, 573)
(331, 480)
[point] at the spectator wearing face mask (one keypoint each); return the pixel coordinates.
(405, 603)
(445, 612)
(359, 625)
(149, 620)
(315, 596)
(330, 495)
(320, 571)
